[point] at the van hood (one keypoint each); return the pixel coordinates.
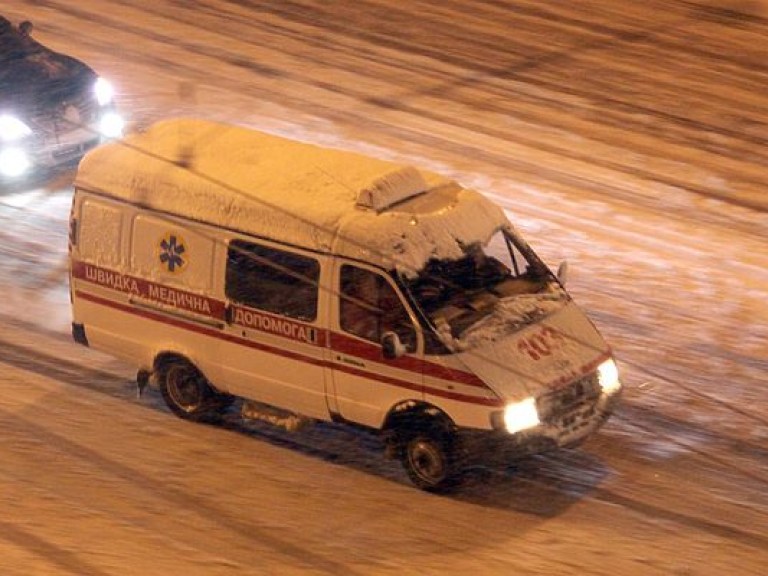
(560, 346)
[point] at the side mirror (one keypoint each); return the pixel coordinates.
(562, 272)
(391, 347)
(25, 28)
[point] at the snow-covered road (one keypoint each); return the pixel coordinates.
(629, 138)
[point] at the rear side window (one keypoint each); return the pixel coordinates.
(272, 280)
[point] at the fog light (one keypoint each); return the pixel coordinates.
(13, 162)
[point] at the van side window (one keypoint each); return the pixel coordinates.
(369, 306)
(272, 280)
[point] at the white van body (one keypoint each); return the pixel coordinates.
(331, 285)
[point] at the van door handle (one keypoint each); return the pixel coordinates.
(351, 360)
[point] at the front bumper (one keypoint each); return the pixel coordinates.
(64, 148)
(563, 427)
(18, 160)
(55, 148)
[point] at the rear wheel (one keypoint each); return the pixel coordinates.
(188, 393)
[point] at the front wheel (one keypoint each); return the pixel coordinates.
(429, 459)
(188, 393)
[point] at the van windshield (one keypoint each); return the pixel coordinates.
(456, 294)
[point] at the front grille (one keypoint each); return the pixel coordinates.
(563, 406)
(75, 150)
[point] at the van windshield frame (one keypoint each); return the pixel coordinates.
(453, 295)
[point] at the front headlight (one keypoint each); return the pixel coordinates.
(521, 416)
(104, 92)
(13, 162)
(608, 377)
(12, 129)
(111, 125)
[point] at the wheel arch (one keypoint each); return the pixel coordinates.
(206, 404)
(410, 413)
(168, 355)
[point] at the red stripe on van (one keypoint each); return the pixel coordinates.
(276, 325)
(416, 388)
(151, 291)
(191, 326)
(372, 352)
(200, 329)
(264, 322)
(365, 350)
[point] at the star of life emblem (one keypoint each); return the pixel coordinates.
(173, 253)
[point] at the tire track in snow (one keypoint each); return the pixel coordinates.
(40, 547)
(72, 374)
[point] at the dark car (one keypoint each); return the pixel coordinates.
(53, 108)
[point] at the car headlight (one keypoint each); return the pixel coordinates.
(111, 125)
(521, 415)
(104, 92)
(12, 129)
(13, 162)
(608, 377)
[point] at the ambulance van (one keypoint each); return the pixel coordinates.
(298, 281)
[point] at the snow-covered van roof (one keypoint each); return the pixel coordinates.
(322, 198)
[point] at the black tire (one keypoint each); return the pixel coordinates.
(429, 459)
(188, 393)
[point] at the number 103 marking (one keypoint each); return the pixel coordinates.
(541, 344)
